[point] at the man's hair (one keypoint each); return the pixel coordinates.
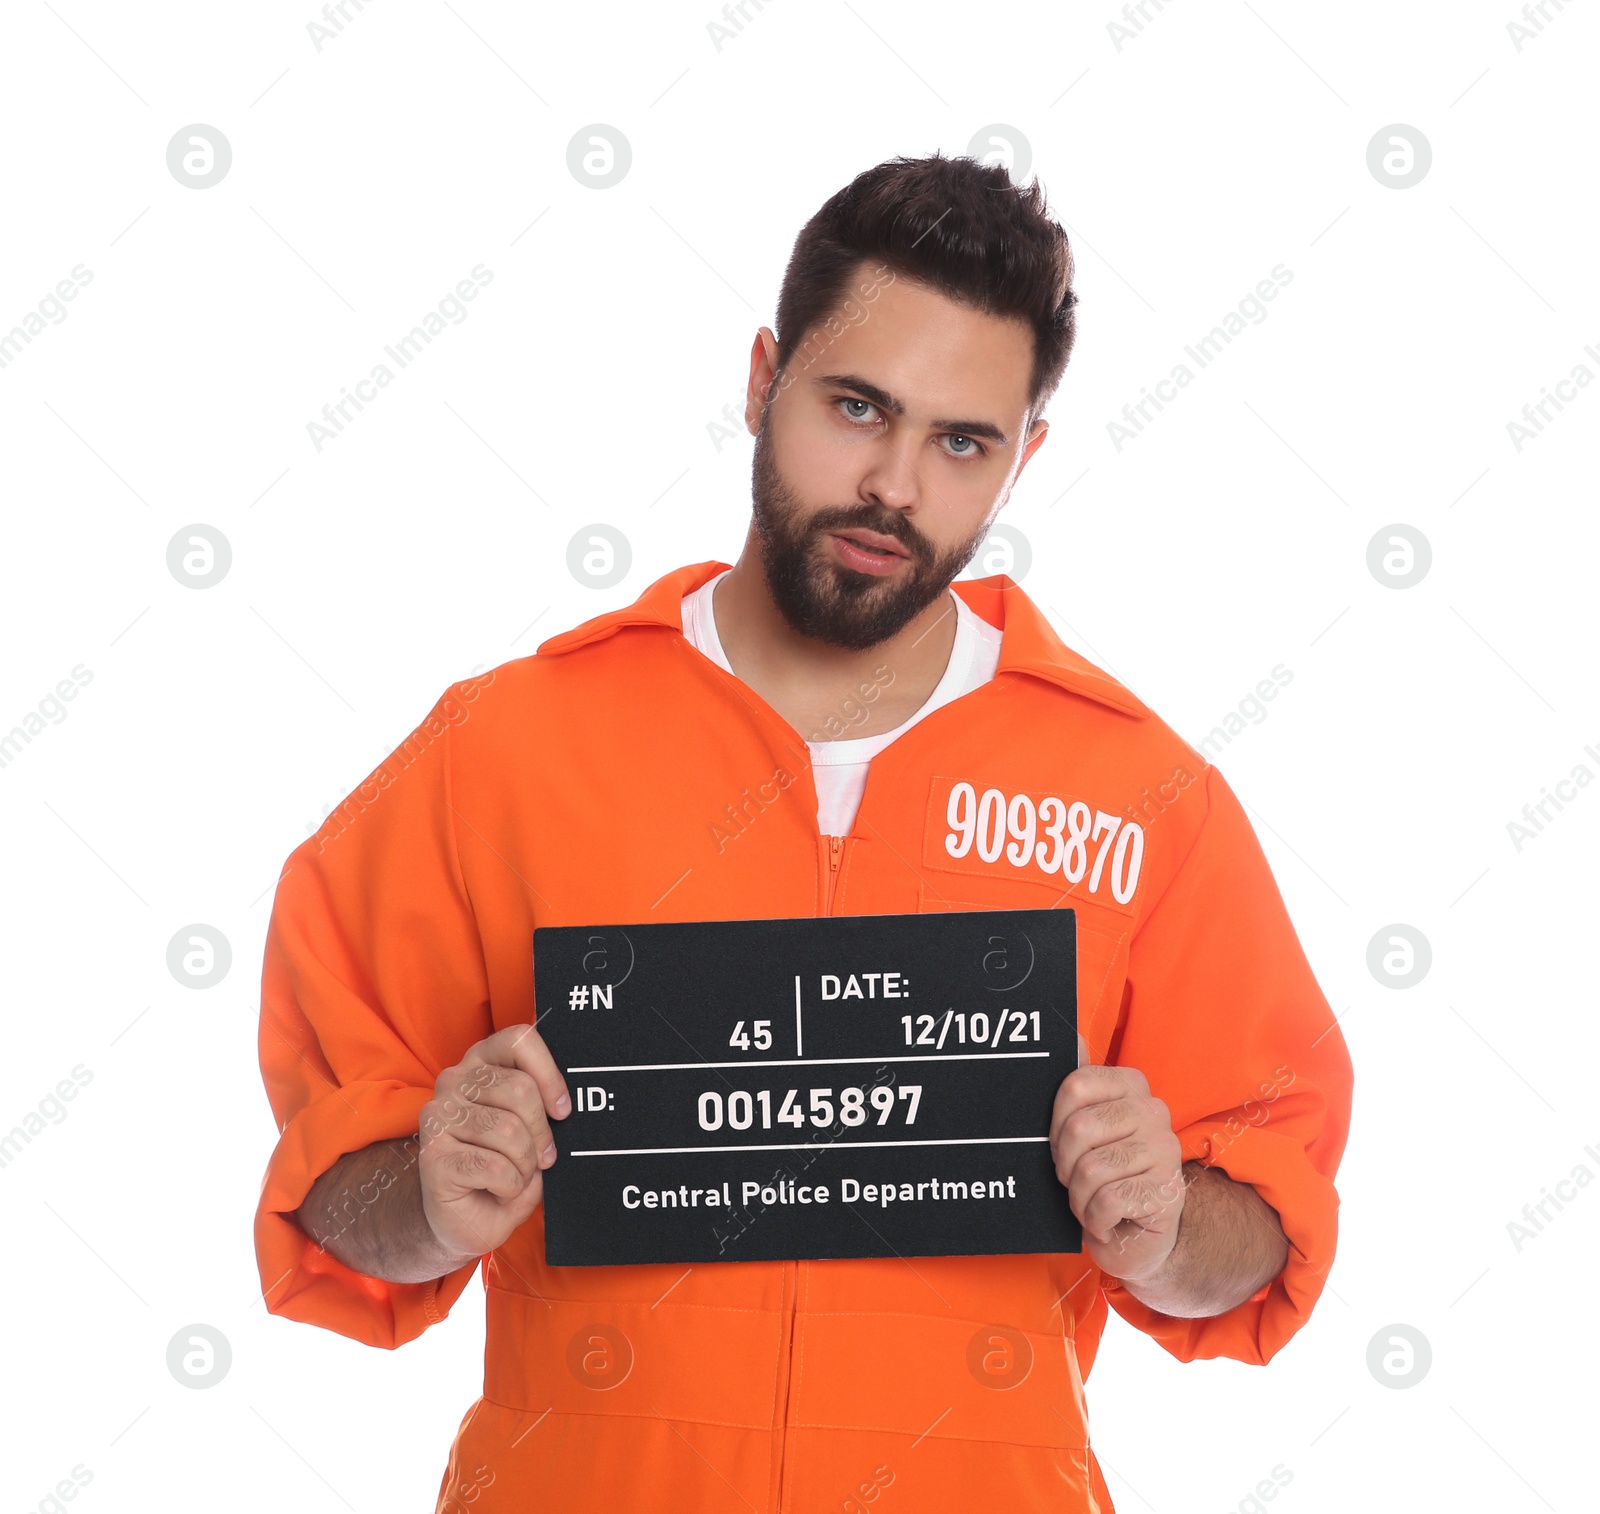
(955, 224)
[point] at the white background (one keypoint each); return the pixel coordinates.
(430, 538)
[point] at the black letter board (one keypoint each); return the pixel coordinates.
(838, 1086)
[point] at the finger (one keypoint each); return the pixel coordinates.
(1126, 1251)
(1096, 1085)
(1107, 1167)
(471, 1123)
(522, 1046)
(1143, 1201)
(1083, 1051)
(1094, 1125)
(457, 1167)
(511, 1089)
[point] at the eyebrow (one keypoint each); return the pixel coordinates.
(886, 401)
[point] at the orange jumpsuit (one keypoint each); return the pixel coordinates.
(618, 775)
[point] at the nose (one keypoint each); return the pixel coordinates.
(891, 479)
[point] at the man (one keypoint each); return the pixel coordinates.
(825, 727)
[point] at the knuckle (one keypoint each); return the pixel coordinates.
(434, 1121)
(478, 1162)
(1118, 1196)
(484, 1120)
(1117, 1157)
(1082, 1123)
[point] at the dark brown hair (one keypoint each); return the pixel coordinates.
(955, 224)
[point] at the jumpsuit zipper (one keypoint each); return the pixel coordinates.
(791, 1270)
(835, 852)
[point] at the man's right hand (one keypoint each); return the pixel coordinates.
(485, 1141)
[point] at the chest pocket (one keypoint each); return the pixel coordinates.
(1062, 842)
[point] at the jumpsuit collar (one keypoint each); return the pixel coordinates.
(1029, 644)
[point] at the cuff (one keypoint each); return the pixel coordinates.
(301, 1281)
(1308, 1207)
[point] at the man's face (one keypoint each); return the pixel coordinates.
(883, 455)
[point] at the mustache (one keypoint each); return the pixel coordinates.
(877, 518)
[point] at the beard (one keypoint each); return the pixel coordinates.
(817, 594)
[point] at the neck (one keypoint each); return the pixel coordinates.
(810, 682)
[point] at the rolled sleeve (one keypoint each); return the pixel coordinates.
(1224, 1017)
(372, 982)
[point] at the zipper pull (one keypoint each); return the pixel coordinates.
(835, 848)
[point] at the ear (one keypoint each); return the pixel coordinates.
(763, 368)
(1036, 435)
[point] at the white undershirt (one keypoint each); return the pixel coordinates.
(840, 767)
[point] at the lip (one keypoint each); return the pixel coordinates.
(853, 554)
(875, 540)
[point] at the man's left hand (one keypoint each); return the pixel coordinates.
(1122, 1167)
